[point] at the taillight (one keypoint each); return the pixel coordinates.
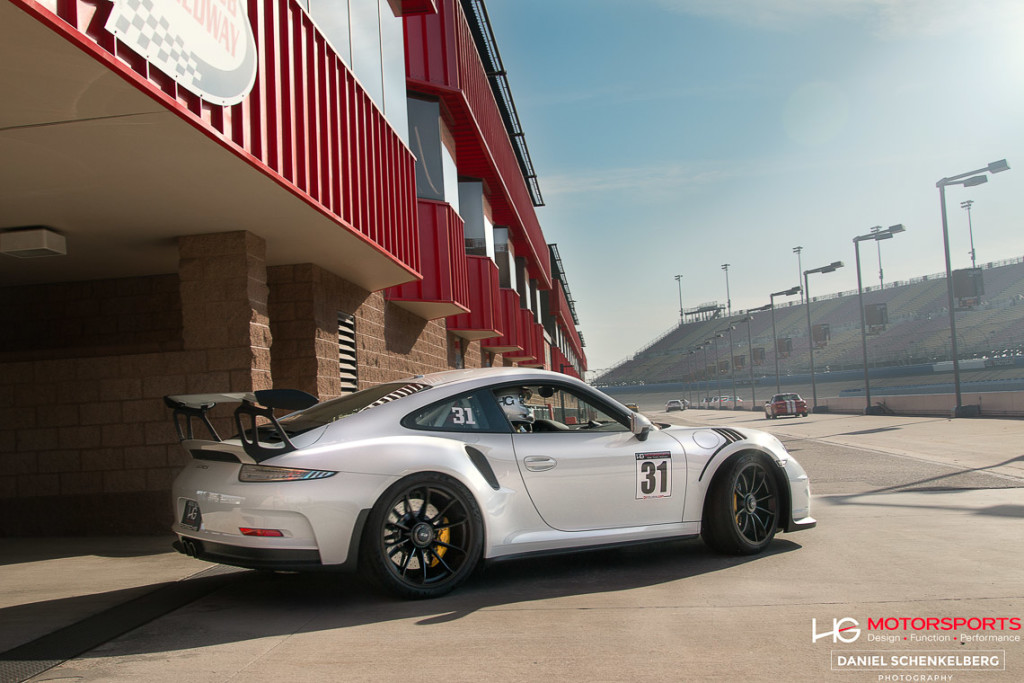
(246, 531)
(262, 473)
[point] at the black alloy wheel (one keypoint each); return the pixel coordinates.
(741, 512)
(424, 536)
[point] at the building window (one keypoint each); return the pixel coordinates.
(460, 359)
(347, 367)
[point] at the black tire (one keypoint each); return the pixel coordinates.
(741, 512)
(424, 536)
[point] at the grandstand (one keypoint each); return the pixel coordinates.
(917, 332)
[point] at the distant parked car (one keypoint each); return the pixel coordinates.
(676, 404)
(634, 407)
(785, 404)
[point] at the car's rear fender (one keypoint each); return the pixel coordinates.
(318, 514)
(486, 467)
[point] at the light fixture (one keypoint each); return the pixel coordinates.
(830, 268)
(877, 234)
(969, 179)
(33, 242)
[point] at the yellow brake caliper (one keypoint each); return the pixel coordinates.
(444, 535)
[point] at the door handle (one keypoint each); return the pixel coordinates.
(539, 463)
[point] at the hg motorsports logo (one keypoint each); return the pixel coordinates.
(960, 630)
(921, 629)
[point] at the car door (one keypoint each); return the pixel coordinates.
(585, 470)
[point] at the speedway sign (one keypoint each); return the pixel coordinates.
(206, 46)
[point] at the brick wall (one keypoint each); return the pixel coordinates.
(224, 309)
(102, 317)
(86, 443)
(391, 343)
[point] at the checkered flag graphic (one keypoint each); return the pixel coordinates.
(137, 26)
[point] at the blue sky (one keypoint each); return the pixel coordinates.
(672, 136)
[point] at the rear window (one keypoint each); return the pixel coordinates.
(331, 411)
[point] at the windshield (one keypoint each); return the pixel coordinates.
(330, 411)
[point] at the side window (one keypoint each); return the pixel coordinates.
(551, 408)
(461, 414)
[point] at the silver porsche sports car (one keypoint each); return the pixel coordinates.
(417, 481)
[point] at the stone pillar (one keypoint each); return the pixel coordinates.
(224, 310)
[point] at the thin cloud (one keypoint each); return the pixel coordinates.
(655, 178)
(886, 18)
(769, 14)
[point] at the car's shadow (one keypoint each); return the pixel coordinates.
(241, 606)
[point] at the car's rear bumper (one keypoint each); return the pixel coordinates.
(268, 556)
(250, 558)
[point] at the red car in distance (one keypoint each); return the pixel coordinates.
(785, 404)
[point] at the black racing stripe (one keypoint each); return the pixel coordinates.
(730, 436)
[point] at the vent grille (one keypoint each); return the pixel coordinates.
(348, 370)
(730, 435)
(215, 456)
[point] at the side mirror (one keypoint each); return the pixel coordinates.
(640, 426)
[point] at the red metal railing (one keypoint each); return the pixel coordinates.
(563, 317)
(534, 353)
(512, 340)
(443, 258)
(559, 363)
(307, 122)
(527, 339)
(441, 59)
(484, 317)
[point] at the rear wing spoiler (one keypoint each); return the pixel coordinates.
(253, 404)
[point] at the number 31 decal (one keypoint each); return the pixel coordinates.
(653, 475)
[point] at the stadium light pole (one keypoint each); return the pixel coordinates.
(969, 179)
(679, 281)
(689, 386)
(835, 265)
(749, 318)
(718, 382)
(775, 338)
(878, 245)
(877, 234)
(707, 381)
(799, 269)
(732, 369)
(970, 228)
(728, 297)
